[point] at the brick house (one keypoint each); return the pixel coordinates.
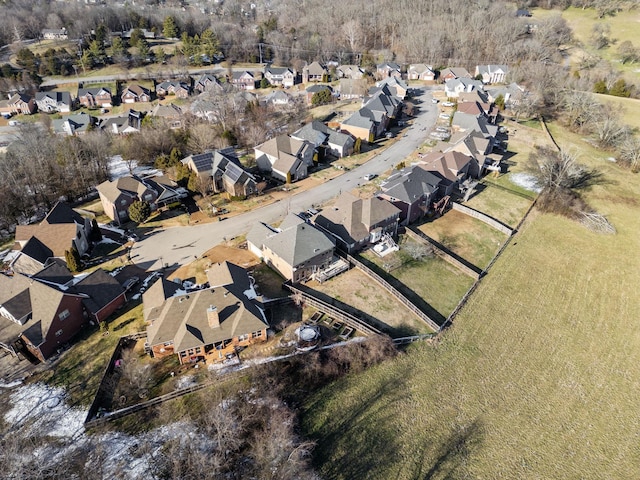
(135, 93)
(18, 104)
(95, 97)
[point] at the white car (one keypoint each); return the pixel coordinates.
(444, 116)
(448, 104)
(434, 100)
(370, 176)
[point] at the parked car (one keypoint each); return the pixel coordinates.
(389, 134)
(129, 283)
(444, 116)
(434, 100)
(448, 104)
(370, 176)
(132, 237)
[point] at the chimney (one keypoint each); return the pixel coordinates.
(213, 317)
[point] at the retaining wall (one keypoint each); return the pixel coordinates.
(483, 217)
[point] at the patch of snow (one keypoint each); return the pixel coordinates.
(111, 229)
(250, 293)
(136, 296)
(15, 383)
(526, 181)
(109, 240)
(186, 381)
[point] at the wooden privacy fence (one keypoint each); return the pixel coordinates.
(395, 292)
(333, 311)
(444, 253)
(108, 371)
(483, 217)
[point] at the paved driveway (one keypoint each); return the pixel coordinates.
(180, 245)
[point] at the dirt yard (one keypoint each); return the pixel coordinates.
(358, 290)
(195, 271)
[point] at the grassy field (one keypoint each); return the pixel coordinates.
(501, 204)
(624, 26)
(538, 378)
(628, 107)
(473, 240)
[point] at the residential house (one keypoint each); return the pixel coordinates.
(278, 97)
(147, 34)
(363, 125)
(95, 97)
(61, 229)
(421, 71)
(179, 89)
(280, 76)
(207, 82)
(313, 89)
(492, 73)
(118, 195)
(315, 72)
(326, 140)
(55, 33)
(512, 94)
(467, 122)
(206, 325)
(18, 104)
(135, 94)
(353, 72)
(224, 170)
(452, 168)
(453, 88)
(123, 125)
(412, 190)
(355, 222)
(388, 69)
(349, 88)
(395, 86)
(170, 113)
(51, 102)
(37, 318)
(243, 80)
(474, 144)
(453, 73)
(479, 96)
(383, 102)
(286, 158)
(102, 294)
(487, 110)
(75, 124)
(296, 249)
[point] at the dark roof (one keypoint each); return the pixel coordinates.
(63, 213)
(55, 272)
(409, 184)
(318, 88)
(37, 250)
(101, 288)
(93, 91)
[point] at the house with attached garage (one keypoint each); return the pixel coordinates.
(395, 86)
(353, 72)
(75, 124)
(286, 158)
(18, 104)
(51, 102)
(118, 195)
(55, 33)
(452, 168)
(123, 125)
(453, 88)
(171, 114)
(135, 94)
(466, 122)
(453, 73)
(42, 312)
(356, 222)
(281, 76)
(412, 190)
(365, 125)
(62, 229)
(243, 80)
(223, 170)
(179, 89)
(206, 82)
(492, 73)
(314, 72)
(388, 69)
(207, 325)
(95, 97)
(295, 249)
(313, 89)
(326, 140)
(421, 71)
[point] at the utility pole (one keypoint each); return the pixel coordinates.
(260, 47)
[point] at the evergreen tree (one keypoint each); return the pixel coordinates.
(74, 264)
(139, 211)
(169, 28)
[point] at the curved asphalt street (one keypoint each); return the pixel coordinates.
(180, 245)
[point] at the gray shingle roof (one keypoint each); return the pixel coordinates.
(410, 183)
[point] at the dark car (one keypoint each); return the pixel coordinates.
(129, 283)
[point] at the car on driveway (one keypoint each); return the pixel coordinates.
(129, 283)
(448, 104)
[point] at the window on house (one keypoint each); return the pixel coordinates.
(183, 354)
(168, 344)
(58, 333)
(198, 350)
(64, 315)
(123, 202)
(257, 334)
(148, 197)
(242, 338)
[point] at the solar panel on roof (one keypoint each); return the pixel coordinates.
(203, 161)
(233, 172)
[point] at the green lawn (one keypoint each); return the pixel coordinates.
(538, 377)
(471, 239)
(501, 204)
(628, 107)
